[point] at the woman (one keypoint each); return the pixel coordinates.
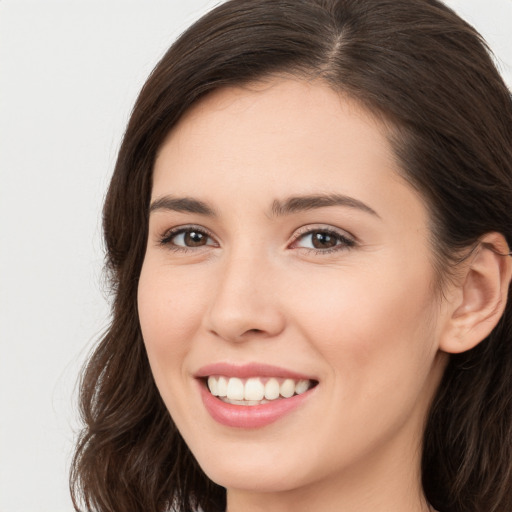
(308, 232)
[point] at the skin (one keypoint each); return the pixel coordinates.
(363, 319)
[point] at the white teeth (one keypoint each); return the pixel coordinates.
(287, 388)
(222, 386)
(244, 402)
(253, 391)
(301, 387)
(272, 389)
(213, 386)
(235, 389)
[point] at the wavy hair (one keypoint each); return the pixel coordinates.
(430, 75)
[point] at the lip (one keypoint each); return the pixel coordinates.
(249, 416)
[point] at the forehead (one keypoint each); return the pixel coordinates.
(272, 106)
(272, 139)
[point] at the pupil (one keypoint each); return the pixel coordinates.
(194, 239)
(322, 240)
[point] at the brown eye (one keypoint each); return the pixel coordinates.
(193, 238)
(184, 238)
(323, 240)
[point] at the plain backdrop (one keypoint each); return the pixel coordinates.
(70, 71)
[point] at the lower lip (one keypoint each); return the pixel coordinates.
(250, 416)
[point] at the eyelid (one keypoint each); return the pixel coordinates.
(304, 230)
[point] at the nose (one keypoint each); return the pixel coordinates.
(246, 303)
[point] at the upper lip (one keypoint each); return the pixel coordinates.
(245, 371)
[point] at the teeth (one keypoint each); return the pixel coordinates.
(254, 391)
(287, 388)
(222, 386)
(301, 387)
(235, 389)
(213, 386)
(244, 402)
(272, 389)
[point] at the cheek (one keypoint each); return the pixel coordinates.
(376, 335)
(170, 307)
(377, 328)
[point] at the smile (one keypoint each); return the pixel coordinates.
(255, 390)
(252, 395)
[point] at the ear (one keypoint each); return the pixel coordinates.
(480, 296)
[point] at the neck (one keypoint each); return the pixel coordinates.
(383, 481)
(350, 497)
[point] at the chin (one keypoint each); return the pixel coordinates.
(255, 477)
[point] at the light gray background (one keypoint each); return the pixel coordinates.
(70, 71)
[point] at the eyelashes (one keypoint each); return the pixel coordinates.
(309, 239)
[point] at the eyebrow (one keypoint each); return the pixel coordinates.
(279, 207)
(311, 202)
(182, 204)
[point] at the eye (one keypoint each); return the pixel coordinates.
(189, 237)
(322, 240)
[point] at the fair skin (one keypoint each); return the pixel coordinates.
(341, 293)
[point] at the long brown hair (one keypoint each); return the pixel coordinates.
(430, 76)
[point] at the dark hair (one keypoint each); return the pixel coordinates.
(426, 72)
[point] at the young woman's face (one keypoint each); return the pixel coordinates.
(286, 256)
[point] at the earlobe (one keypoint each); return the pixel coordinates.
(482, 295)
